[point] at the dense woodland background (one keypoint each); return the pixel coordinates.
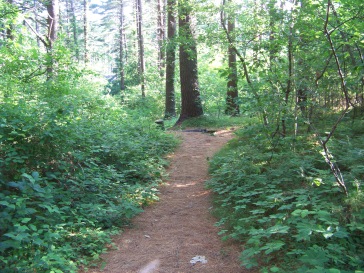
(82, 82)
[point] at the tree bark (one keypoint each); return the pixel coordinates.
(160, 36)
(245, 70)
(289, 80)
(121, 46)
(52, 21)
(232, 106)
(139, 21)
(36, 21)
(9, 29)
(85, 30)
(191, 100)
(170, 103)
(74, 29)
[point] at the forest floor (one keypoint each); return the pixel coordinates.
(179, 229)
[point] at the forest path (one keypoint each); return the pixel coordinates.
(171, 232)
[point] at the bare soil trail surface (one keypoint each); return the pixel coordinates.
(177, 234)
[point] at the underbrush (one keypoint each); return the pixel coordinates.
(210, 122)
(74, 168)
(279, 198)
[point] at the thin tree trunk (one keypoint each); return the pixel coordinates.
(160, 36)
(85, 30)
(9, 29)
(139, 21)
(52, 21)
(245, 70)
(121, 46)
(272, 34)
(74, 29)
(289, 80)
(191, 100)
(36, 21)
(232, 106)
(328, 156)
(68, 21)
(170, 104)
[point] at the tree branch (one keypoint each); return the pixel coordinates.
(327, 155)
(36, 33)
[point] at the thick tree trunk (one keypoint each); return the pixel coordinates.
(139, 21)
(52, 20)
(191, 101)
(170, 105)
(121, 46)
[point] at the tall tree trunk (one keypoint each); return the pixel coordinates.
(232, 106)
(170, 105)
(35, 8)
(74, 29)
(191, 101)
(289, 80)
(245, 70)
(272, 35)
(121, 46)
(9, 29)
(52, 21)
(68, 21)
(139, 21)
(85, 29)
(160, 36)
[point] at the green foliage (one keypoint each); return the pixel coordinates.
(213, 122)
(74, 167)
(279, 198)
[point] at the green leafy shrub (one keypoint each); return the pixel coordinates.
(279, 198)
(74, 167)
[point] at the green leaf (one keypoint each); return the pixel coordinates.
(272, 246)
(35, 175)
(5, 203)
(33, 227)
(25, 220)
(302, 213)
(334, 270)
(29, 177)
(304, 231)
(315, 256)
(274, 269)
(278, 229)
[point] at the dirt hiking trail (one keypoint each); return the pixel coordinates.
(178, 229)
